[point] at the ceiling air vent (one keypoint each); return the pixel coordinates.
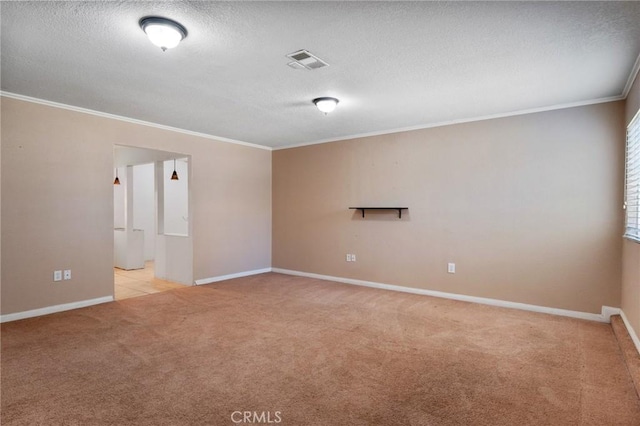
(305, 59)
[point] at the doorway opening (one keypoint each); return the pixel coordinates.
(152, 232)
(139, 282)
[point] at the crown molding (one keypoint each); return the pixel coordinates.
(623, 96)
(461, 121)
(632, 77)
(128, 120)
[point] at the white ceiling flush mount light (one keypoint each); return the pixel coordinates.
(326, 104)
(162, 32)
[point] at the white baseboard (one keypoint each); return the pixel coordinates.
(608, 311)
(53, 309)
(631, 331)
(231, 276)
(605, 316)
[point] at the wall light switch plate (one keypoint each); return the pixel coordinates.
(451, 268)
(57, 275)
(353, 257)
(67, 274)
(348, 258)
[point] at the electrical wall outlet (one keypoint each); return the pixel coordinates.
(353, 257)
(57, 275)
(451, 268)
(348, 257)
(67, 274)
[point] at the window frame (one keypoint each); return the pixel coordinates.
(632, 180)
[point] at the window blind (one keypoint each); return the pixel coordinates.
(632, 181)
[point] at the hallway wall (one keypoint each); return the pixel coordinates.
(57, 209)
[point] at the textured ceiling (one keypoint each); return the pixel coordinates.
(393, 65)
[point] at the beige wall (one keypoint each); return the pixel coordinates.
(57, 202)
(631, 250)
(528, 207)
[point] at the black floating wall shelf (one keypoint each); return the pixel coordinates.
(381, 208)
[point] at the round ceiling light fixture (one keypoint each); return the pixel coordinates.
(326, 104)
(163, 32)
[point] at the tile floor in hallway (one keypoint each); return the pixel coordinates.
(140, 282)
